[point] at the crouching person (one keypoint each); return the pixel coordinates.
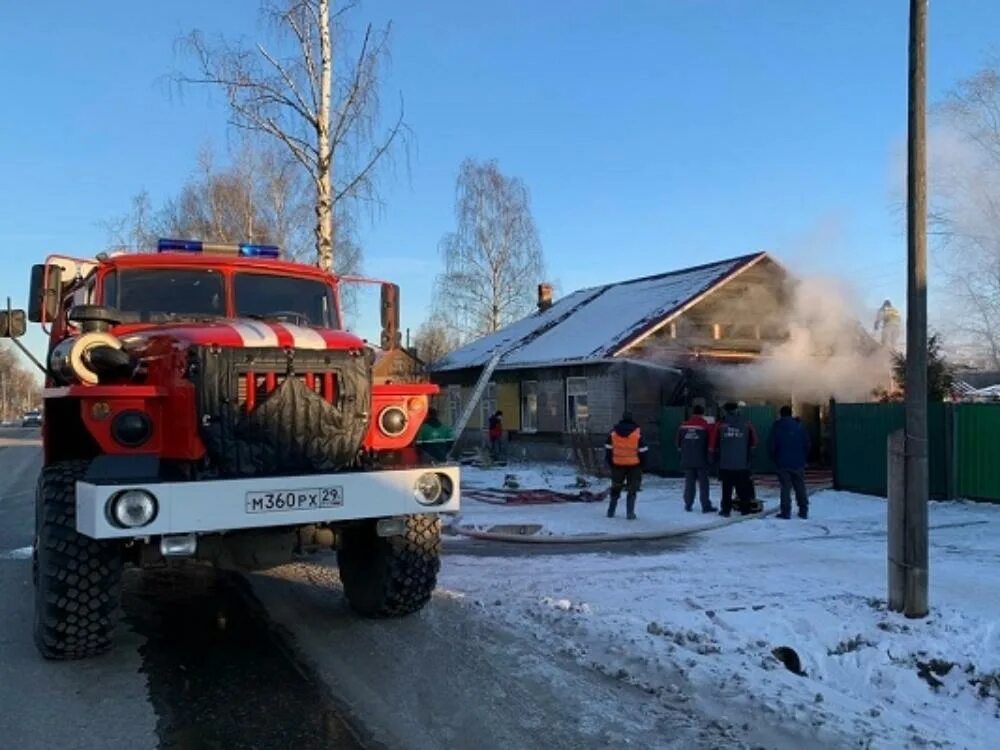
(626, 455)
(692, 443)
(435, 438)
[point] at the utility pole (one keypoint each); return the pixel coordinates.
(916, 487)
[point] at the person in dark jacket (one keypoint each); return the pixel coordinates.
(626, 455)
(692, 443)
(496, 435)
(733, 441)
(789, 448)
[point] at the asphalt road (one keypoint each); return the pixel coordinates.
(211, 660)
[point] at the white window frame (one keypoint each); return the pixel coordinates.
(488, 405)
(529, 425)
(576, 387)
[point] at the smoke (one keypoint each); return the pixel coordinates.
(827, 353)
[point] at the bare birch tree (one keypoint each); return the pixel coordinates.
(321, 102)
(134, 231)
(434, 339)
(493, 259)
(259, 196)
(20, 388)
(965, 216)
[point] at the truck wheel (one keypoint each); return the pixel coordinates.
(77, 579)
(390, 576)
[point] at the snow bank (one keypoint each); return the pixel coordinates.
(700, 621)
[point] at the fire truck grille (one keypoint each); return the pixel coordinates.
(253, 387)
(268, 412)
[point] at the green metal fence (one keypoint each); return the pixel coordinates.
(762, 418)
(960, 456)
(977, 450)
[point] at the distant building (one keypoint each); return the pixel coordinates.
(398, 366)
(578, 362)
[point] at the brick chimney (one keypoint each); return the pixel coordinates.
(544, 297)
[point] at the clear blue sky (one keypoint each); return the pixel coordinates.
(652, 134)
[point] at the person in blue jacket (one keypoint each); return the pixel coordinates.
(789, 447)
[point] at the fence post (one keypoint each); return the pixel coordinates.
(951, 450)
(896, 502)
(831, 441)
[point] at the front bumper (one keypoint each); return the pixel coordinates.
(223, 504)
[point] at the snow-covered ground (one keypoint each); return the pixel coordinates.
(700, 619)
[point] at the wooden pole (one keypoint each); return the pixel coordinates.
(896, 491)
(915, 515)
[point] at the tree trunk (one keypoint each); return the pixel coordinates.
(324, 166)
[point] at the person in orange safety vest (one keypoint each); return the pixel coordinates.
(625, 451)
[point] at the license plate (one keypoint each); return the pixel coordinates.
(313, 498)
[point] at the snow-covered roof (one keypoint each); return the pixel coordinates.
(595, 323)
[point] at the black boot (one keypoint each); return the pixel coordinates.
(612, 507)
(630, 507)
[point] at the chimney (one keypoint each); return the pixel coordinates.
(544, 297)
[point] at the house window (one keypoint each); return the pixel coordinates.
(454, 403)
(488, 404)
(577, 412)
(529, 406)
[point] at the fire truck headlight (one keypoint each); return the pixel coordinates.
(393, 421)
(428, 489)
(131, 509)
(131, 428)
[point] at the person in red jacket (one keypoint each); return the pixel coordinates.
(692, 442)
(496, 435)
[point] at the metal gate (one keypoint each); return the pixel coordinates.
(670, 421)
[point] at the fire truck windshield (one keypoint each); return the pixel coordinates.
(161, 294)
(166, 293)
(288, 298)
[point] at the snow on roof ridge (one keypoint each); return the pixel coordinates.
(739, 260)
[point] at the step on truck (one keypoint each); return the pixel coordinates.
(204, 403)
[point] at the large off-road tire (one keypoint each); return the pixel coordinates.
(390, 576)
(77, 579)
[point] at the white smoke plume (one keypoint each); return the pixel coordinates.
(827, 353)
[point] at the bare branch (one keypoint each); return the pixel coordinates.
(365, 173)
(299, 105)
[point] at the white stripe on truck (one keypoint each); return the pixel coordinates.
(304, 338)
(256, 335)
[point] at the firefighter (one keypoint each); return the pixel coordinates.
(733, 441)
(626, 455)
(888, 321)
(692, 444)
(789, 448)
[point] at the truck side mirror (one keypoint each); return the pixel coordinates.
(44, 293)
(390, 316)
(13, 324)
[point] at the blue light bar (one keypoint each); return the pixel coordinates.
(244, 250)
(260, 251)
